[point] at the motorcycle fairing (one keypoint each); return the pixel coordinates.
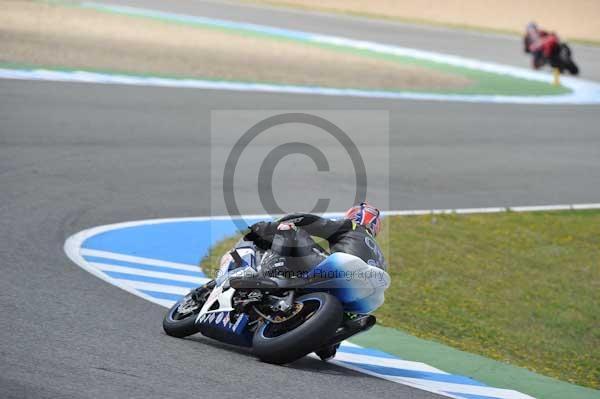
(358, 286)
(218, 325)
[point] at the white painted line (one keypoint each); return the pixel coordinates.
(583, 91)
(100, 229)
(479, 210)
(165, 303)
(534, 208)
(462, 388)
(541, 208)
(381, 361)
(105, 267)
(167, 289)
(390, 378)
(589, 94)
(416, 212)
(585, 206)
(138, 259)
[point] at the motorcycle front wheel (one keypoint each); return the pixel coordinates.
(317, 320)
(566, 57)
(572, 68)
(180, 320)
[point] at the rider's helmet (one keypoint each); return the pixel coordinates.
(365, 215)
(531, 28)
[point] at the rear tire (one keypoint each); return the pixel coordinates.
(309, 336)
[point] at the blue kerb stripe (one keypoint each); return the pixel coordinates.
(221, 23)
(424, 375)
(162, 295)
(471, 396)
(162, 269)
(366, 352)
(156, 280)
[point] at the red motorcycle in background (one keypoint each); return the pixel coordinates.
(546, 48)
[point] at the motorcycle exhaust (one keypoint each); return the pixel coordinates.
(350, 328)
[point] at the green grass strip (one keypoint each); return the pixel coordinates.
(486, 370)
(519, 288)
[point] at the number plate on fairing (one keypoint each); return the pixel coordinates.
(218, 325)
(222, 320)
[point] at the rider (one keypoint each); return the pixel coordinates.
(354, 235)
(540, 44)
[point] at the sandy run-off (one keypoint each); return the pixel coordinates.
(35, 33)
(574, 19)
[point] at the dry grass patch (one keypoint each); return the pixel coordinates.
(576, 19)
(52, 35)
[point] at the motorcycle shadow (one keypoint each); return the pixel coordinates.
(308, 363)
(246, 352)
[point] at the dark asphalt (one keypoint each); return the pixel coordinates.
(74, 156)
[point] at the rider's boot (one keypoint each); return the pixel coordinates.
(328, 352)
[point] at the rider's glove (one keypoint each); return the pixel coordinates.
(285, 226)
(257, 231)
(260, 233)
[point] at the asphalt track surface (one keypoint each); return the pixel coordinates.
(73, 156)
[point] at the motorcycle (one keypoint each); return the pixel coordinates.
(282, 307)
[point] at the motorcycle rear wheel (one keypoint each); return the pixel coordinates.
(317, 321)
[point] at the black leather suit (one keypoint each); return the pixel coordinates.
(343, 235)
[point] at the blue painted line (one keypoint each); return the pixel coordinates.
(151, 268)
(471, 396)
(155, 280)
(210, 22)
(423, 375)
(366, 352)
(181, 242)
(162, 295)
(170, 238)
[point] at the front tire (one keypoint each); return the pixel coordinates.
(566, 57)
(573, 68)
(182, 324)
(322, 314)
